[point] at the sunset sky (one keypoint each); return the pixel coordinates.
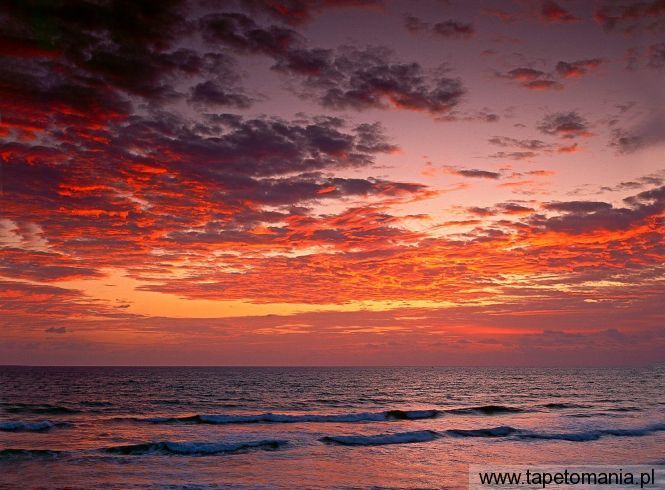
(355, 182)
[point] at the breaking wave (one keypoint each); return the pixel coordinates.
(27, 453)
(23, 426)
(38, 409)
(381, 439)
(593, 435)
(485, 410)
(562, 405)
(581, 436)
(295, 418)
(195, 448)
(501, 431)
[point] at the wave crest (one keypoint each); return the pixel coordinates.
(485, 410)
(194, 448)
(382, 439)
(295, 418)
(501, 431)
(27, 453)
(43, 408)
(24, 426)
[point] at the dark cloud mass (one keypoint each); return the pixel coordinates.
(342, 78)
(577, 68)
(650, 132)
(368, 78)
(656, 56)
(258, 152)
(553, 12)
(448, 29)
(534, 79)
(100, 156)
(564, 125)
(631, 16)
(483, 174)
(525, 144)
(585, 216)
(414, 24)
(296, 12)
(452, 29)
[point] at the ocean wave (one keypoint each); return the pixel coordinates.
(37, 409)
(195, 448)
(27, 453)
(581, 436)
(96, 403)
(294, 418)
(382, 439)
(501, 431)
(485, 410)
(563, 405)
(23, 426)
(595, 434)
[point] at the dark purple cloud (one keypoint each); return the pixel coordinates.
(343, 78)
(452, 29)
(631, 16)
(656, 56)
(579, 68)
(414, 24)
(524, 144)
(565, 125)
(586, 216)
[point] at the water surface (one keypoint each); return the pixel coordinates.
(317, 427)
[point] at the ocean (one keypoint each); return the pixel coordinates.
(225, 427)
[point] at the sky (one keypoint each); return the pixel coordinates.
(319, 182)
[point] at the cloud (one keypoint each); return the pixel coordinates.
(553, 12)
(340, 79)
(565, 125)
(514, 155)
(475, 173)
(34, 306)
(119, 157)
(576, 69)
(509, 208)
(631, 16)
(296, 12)
(586, 216)
(543, 85)
(655, 179)
(463, 172)
(413, 24)
(524, 74)
(370, 78)
(531, 78)
(524, 144)
(648, 133)
(451, 29)
(534, 79)
(656, 56)
(578, 207)
(209, 94)
(502, 15)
